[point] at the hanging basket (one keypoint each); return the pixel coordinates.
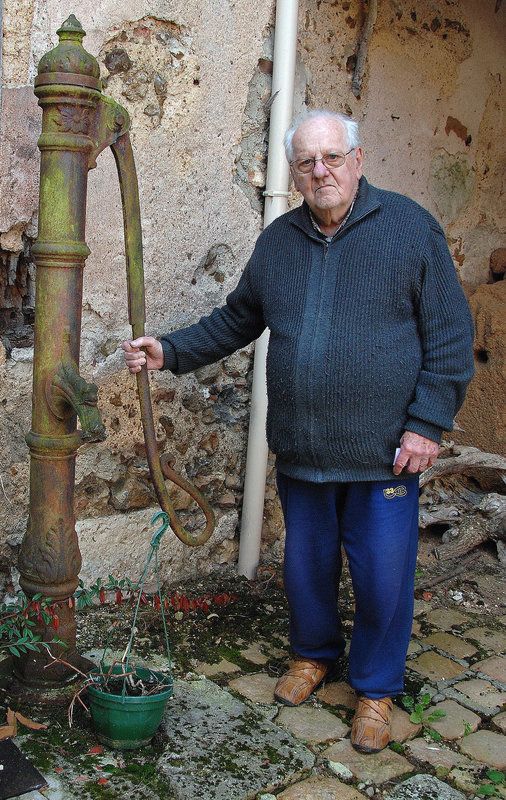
(123, 720)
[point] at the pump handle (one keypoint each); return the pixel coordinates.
(159, 468)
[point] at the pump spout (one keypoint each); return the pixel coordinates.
(68, 393)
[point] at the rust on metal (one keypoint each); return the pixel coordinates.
(159, 468)
(78, 122)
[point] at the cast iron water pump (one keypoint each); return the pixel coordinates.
(78, 123)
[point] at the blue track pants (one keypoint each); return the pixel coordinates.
(377, 524)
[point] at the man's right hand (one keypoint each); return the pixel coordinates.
(151, 354)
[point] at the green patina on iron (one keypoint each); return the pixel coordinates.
(78, 123)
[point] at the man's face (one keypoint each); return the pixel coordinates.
(326, 190)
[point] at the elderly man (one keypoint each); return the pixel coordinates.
(370, 353)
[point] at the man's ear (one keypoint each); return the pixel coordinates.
(293, 176)
(359, 160)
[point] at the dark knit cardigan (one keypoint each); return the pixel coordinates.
(370, 335)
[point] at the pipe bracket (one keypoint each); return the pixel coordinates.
(275, 193)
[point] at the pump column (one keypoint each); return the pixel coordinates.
(68, 89)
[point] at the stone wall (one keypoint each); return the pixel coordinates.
(195, 78)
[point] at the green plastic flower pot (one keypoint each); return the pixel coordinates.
(124, 722)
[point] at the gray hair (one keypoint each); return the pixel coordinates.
(350, 125)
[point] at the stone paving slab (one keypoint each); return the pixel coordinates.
(312, 725)
(259, 687)
(494, 666)
(255, 654)
(223, 667)
(478, 694)
(402, 727)
(337, 694)
(273, 651)
(467, 778)
(215, 740)
(450, 644)
(424, 787)
(487, 747)
(377, 769)
(435, 667)
(500, 721)
(488, 638)
(421, 607)
(446, 618)
(320, 788)
(434, 754)
(456, 722)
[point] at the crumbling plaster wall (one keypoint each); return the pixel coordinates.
(195, 78)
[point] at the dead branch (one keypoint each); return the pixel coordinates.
(489, 522)
(422, 587)
(460, 490)
(465, 459)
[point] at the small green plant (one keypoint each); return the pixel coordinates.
(418, 715)
(497, 780)
(124, 591)
(18, 619)
(467, 728)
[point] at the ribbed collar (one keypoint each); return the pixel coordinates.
(366, 201)
(339, 227)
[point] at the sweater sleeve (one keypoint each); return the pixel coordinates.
(446, 332)
(234, 325)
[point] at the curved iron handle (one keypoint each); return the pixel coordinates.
(159, 467)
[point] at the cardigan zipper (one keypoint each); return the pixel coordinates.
(313, 385)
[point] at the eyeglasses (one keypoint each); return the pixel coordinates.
(303, 166)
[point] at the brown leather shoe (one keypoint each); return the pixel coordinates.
(370, 731)
(302, 678)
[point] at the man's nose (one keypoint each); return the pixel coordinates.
(319, 169)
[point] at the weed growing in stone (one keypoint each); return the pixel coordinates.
(418, 714)
(493, 789)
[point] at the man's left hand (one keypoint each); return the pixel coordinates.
(417, 453)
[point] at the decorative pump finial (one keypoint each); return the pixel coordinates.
(71, 29)
(69, 58)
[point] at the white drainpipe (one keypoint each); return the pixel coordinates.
(276, 199)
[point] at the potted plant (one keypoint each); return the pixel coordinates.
(127, 701)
